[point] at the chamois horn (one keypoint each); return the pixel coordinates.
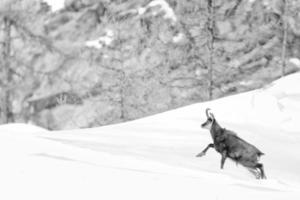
(208, 113)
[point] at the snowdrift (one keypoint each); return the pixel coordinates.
(154, 157)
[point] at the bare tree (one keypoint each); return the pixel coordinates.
(284, 39)
(210, 29)
(6, 106)
(15, 31)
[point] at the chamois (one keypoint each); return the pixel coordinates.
(229, 145)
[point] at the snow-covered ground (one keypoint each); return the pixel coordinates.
(154, 157)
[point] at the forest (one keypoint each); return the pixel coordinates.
(99, 62)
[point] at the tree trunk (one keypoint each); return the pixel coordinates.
(6, 103)
(210, 28)
(122, 95)
(284, 40)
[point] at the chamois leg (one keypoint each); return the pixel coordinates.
(224, 156)
(254, 168)
(254, 172)
(261, 169)
(202, 153)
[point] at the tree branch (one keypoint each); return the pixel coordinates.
(254, 54)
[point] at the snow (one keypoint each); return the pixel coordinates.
(154, 157)
(141, 10)
(164, 7)
(94, 43)
(105, 40)
(169, 12)
(55, 4)
(179, 37)
(295, 61)
(251, 1)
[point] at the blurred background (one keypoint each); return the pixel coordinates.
(88, 63)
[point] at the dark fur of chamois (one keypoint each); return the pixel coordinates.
(229, 145)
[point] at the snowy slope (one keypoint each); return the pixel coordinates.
(154, 157)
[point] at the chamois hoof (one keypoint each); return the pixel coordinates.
(257, 176)
(262, 176)
(200, 154)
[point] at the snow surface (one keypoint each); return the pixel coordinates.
(154, 157)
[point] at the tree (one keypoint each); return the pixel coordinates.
(21, 25)
(284, 39)
(210, 43)
(6, 106)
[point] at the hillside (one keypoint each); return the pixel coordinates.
(154, 157)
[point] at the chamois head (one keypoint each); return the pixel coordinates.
(210, 120)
